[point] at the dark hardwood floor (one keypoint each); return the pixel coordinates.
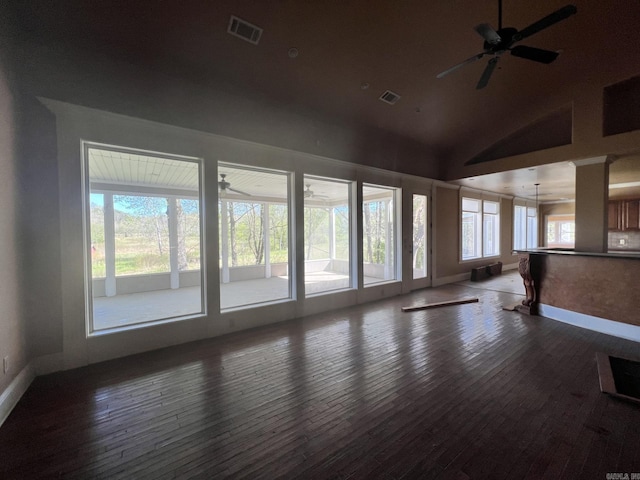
(460, 392)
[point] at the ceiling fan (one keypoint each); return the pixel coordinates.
(308, 193)
(498, 42)
(225, 186)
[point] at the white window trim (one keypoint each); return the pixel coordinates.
(397, 233)
(527, 205)
(482, 200)
(90, 331)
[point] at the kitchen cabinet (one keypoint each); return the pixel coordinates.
(624, 215)
(613, 221)
(631, 214)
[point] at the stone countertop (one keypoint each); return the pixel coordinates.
(568, 251)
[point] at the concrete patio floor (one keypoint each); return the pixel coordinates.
(136, 308)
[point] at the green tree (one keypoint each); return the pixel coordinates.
(316, 229)
(150, 211)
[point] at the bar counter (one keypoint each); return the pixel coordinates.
(586, 287)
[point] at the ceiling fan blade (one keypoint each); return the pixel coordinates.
(238, 191)
(487, 32)
(461, 64)
(545, 22)
(486, 75)
(535, 54)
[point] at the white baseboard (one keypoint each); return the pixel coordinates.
(510, 266)
(15, 390)
(460, 277)
(47, 364)
(463, 277)
(602, 325)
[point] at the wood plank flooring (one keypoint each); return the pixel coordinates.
(461, 392)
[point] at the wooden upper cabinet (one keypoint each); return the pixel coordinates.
(631, 215)
(624, 215)
(614, 216)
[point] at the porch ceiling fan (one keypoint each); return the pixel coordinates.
(498, 42)
(225, 186)
(308, 193)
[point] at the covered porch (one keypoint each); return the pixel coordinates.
(141, 307)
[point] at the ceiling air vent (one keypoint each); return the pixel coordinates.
(389, 97)
(244, 30)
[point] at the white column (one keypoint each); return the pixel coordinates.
(172, 213)
(224, 233)
(109, 246)
(332, 234)
(266, 240)
(357, 235)
(592, 202)
(387, 241)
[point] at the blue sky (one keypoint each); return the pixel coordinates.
(98, 199)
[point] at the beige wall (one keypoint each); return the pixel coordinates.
(41, 221)
(568, 208)
(13, 325)
(447, 236)
(446, 232)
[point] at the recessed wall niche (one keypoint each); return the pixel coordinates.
(552, 130)
(621, 112)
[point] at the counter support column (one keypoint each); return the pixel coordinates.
(529, 304)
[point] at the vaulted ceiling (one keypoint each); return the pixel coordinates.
(351, 51)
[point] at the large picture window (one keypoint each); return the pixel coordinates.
(471, 228)
(253, 212)
(561, 231)
(144, 243)
(480, 228)
(327, 235)
(491, 228)
(379, 230)
(525, 227)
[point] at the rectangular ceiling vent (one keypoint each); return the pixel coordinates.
(244, 30)
(389, 97)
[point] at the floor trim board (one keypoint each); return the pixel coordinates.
(460, 277)
(463, 277)
(602, 325)
(13, 393)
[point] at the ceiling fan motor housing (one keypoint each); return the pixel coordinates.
(508, 36)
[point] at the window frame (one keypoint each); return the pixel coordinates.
(291, 235)
(494, 218)
(395, 208)
(559, 219)
(86, 146)
(424, 268)
(351, 250)
(526, 230)
(480, 217)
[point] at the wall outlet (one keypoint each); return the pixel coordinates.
(5, 365)
(623, 241)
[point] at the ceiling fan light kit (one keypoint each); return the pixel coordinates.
(308, 193)
(503, 40)
(224, 186)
